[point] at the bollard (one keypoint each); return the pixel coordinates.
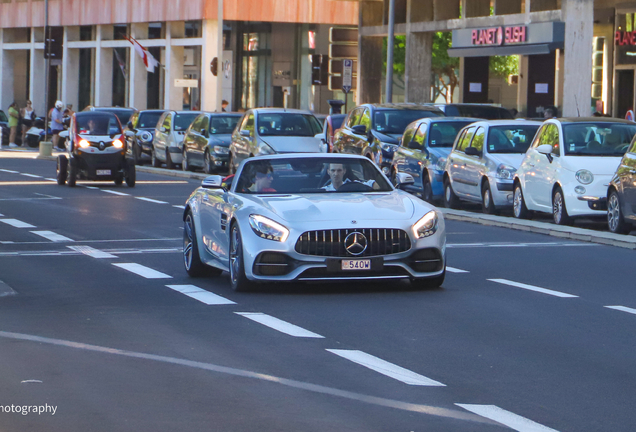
(46, 149)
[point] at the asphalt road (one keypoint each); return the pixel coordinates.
(528, 333)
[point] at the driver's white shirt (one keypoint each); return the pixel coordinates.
(330, 187)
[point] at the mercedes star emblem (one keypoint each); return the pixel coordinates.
(355, 243)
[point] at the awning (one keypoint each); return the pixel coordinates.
(506, 50)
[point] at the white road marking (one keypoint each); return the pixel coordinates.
(507, 245)
(622, 309)
(507, 418)
(1, 215)
(54, 237)
(200, 294)
(50, 179)
(91, 187)
(385, 368)
(115, 192)
(280, 325)
(151, 200)
(30, 175)
(144, 271)
(9, 171)
(16, 223)
(456, 270)
(179, 207)
(533, 288)
(92, 252)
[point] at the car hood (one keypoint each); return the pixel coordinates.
(292, 144)
(221, 140)
(387, 138)
(337, 206)
(511, 159)
(597, 165)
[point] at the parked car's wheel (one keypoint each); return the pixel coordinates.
(429, 283)
(207, 163)
(62, 169)
(615, 220)
(72, 172)
(232, 168)
(237, 268)
(487, 204)
(519, 208)
(427, 189)
(185, 165)
(191, 258)
(131, 173)
(450, 199)
(136, 152)
(169, 163)
(155, 162)
(559, 211)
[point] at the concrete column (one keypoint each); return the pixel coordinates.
(446, 9)
(212, 40)
(506, 7)
(37, 81)
(70, 69)
(419, 11)
(559, 77)
(475, 8)
(371, 13)
(543, 5)
(103, 69)
(7, 91)
(138, 75)
(418, 75)
(522, 87)
(370, 67)
(579, 31)
(173, 96)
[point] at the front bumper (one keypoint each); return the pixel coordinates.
(219, 160)
(90, 162)
(176, 154)
(501, 191)
(592, 202)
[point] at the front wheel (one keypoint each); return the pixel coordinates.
(237, 267)
(207, 163)
(72, 173)
(615, 220)
(450, 199)
(185, 164)
(519, 204)
(487, 204)
(191, 258)
(169, 163)
(155, 162)
(62, 169)
(131, 173)
(231, 168)
(559, 211)
(427, 189)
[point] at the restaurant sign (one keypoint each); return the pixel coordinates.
(497, 36)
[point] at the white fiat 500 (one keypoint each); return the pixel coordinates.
(568, 168)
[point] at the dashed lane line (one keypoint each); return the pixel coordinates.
(280, 325)
(16, 223)
(533, 288)
(622, 309)
(115, 192)
(113, 252)
(143, 271)
(456, 270)
(151, 200)
(201, 295)
(31, 175)
(92, 252)
(385, 368)
(182, 207)
(513, 421)
(517, 245)
(54, 237)
(9, 171)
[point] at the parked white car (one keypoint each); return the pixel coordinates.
(167, 144)
(483, 162)
(568, 169)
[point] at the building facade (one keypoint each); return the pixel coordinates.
(259, 50)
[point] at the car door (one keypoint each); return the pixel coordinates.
(131, 137)
(541, 169)
(457, 163)
(162, 134)
(244, 143)
(404, 155)
(420, 157)
(474, 165)
(362, 141)
(626, 174)
(191, 142)
(214, 222)
(202, 137)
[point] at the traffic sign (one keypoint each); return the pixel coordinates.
(347, 71)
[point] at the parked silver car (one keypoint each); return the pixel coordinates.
(482, 165)
(266, 131)
(167, 144)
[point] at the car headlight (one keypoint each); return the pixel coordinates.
(84, 144)
(118, 144)
(505, 172)
(145, 136)
(427, 226)
(221, 150)
(268, 229)
(264, 149)
(388, 147)
(584, 176)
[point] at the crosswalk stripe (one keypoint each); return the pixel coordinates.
(16, 223)
(54, 237)
(151, 200)
(30, 175)
(9, 171)
(513, 421)
(92, 252)
(533, 288)
(280, 325)
(456, 270)
(115, 192)
(143, 271)
(622, 309)
(385, 368)
(201, 295)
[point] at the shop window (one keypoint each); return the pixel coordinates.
(86, 33)
(156, 30)
(193, 29)
(120, 31)
(250, 42)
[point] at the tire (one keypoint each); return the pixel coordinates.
(238, 280)
(450, 199)
(559, 211)
(155, 162)
(429, 283)
(191, 258)
(169, 163)
(72, 173)
(185, 166)
(207, 163)
(62, 170)
(231, 168)
(427, 189)
(519, 208)
(615, 220)
(136, 151)
(487, 204)
(131, 173)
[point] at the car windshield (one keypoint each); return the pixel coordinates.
(287, 124)
(442, 134)
(310, 176)
(597, 139)
(395, 121)
(510, 139)
(220, 125)
(148, 120)
(183, 121)
(97, 125)
(3, 117)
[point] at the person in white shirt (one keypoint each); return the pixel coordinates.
(337, 174)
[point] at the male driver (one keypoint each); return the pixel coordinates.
(56, 123)
(337, 173)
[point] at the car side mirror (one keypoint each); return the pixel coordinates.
(213, 182)
(545, 149)
(130, 125)
(63, 134)
(245, 133)
(359, 129)
(320, 136)
(402, 180)
(163, 129)
(472, 151)
(414, 145)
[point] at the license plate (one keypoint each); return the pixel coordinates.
(103, 172)
(360, 264)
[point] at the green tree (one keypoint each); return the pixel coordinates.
(445, 69)
(502, 66)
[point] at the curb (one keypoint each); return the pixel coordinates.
(572, 233)
(6, 290)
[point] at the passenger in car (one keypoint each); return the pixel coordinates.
(262, 180)
(337, 173)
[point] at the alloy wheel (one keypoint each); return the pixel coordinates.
(188, 240)
(557, 207)
(613, 213)
(235, 245)
(487, 198)
(517, 202)
(207, 163)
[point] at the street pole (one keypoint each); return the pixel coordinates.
(47, 67)
(389, 53)
(220, 72)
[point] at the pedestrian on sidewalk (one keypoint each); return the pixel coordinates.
(57, 125)
(14, 117)
(27, 114)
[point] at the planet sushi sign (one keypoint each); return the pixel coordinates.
(496, 36)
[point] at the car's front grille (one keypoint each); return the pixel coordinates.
(331, 243)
